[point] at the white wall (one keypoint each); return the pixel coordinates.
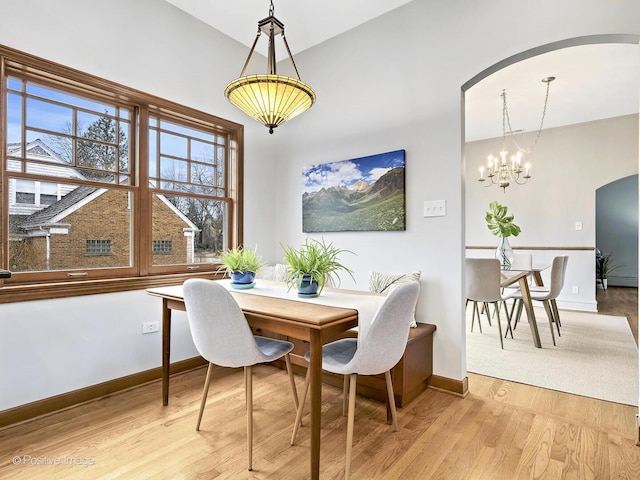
(568, 165)
(392, 83)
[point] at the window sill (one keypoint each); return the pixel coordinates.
(42, 291)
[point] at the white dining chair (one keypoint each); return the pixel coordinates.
(222, 336)
(547, 295)
(483, 279)
(377, 352)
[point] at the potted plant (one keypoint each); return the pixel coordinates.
(500, 223)
(604, 266)
(312, 266)
(241, 265)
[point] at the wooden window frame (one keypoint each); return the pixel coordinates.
(41, 285)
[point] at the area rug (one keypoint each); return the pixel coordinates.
(596, 355)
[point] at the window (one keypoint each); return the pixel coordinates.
(25, 192)
(105, 181)
(98, 247)
(162, 247)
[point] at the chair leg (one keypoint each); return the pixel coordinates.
(392, 401)
(249, 415)
(345, 394)
(476, 311)
(298, 421)
(292, 381)
(486, 310)
(556, 315)
(547, 307)
(350, 420)
(506, 312)
(499, 325)
(205, 391)
(518, 313)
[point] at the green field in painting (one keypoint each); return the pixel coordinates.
(385, 215)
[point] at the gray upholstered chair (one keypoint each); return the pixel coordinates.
(376, 352)
(222, 336)
(483, 279)
(548, 295)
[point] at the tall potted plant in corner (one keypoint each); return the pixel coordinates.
(604, 266)
(501, 224)
(312, 266)
(241, 264)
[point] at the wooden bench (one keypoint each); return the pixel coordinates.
(409, 376)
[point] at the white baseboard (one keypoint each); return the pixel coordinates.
(579, 305)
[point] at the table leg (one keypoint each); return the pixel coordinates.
(315, 364)
(537, 278)
(166, 350)
(528, 305)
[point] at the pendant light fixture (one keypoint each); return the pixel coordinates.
(270, 98)
(503, 171)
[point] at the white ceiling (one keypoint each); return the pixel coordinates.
(592, 81)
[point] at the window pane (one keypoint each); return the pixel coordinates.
(172, 169)
(96, 155)
(14, 118)
(202, 152)
(186, 131)
(173, 145)
(48, 199)
(48, 116)
(153, 154)
(25, 198)
(51, 94)
(84, 214)
(194, 226)
(14, 84)
(98, 247)
(162, 247)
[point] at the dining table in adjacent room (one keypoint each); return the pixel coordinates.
(271, 307)
(520, 277)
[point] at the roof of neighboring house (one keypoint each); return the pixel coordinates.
(47, 215)
(39, 150)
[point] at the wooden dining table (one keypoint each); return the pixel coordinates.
(315, 323)
(521, 277)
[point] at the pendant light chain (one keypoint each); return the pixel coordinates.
(505, 114)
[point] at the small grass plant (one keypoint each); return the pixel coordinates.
(240, 259)
(317, 259)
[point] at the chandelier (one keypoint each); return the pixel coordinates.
(270, 98)
(504, 169)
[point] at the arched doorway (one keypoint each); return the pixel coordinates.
(526, 200)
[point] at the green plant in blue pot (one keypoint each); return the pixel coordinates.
(313, 265)
(241, 264)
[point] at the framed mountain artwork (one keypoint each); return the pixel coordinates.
(362, 194)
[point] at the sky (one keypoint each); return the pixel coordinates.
(348, 172)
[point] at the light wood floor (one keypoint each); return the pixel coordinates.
(502, 430)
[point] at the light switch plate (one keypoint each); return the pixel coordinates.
(435, 208)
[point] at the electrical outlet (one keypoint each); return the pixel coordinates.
(150, 327)
(575, 289)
